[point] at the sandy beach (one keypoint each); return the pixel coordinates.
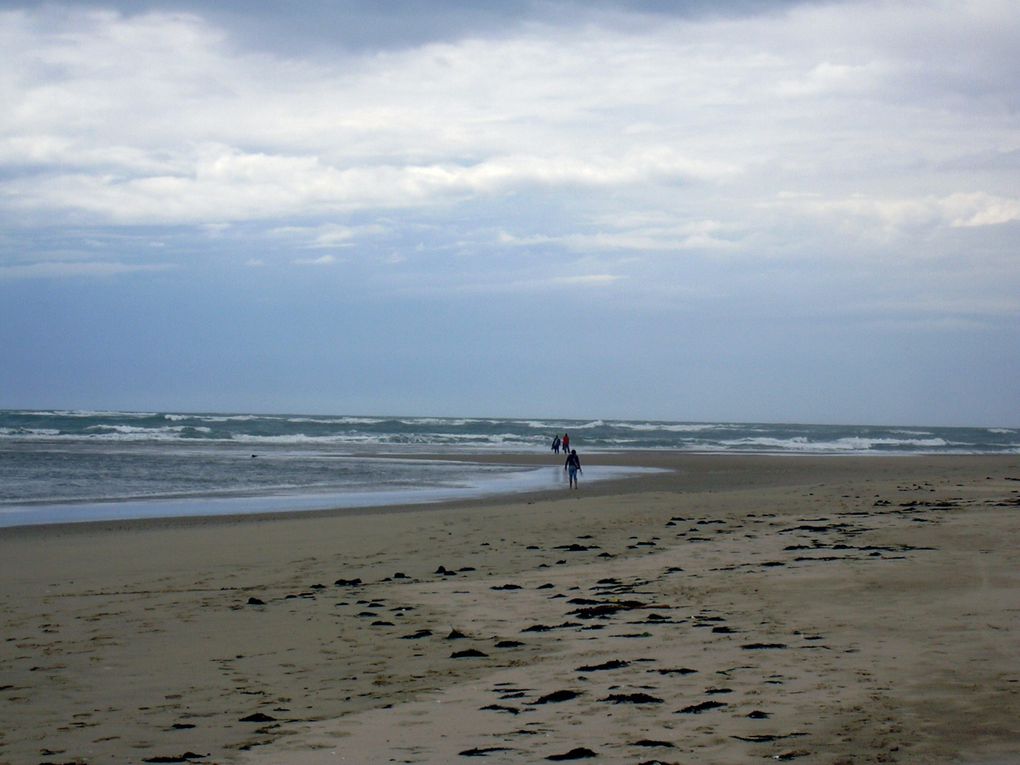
(729, 609)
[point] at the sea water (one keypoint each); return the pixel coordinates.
(65, 466)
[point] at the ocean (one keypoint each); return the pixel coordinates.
(66, 466)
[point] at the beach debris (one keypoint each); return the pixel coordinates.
(256, 602)
(653, 743)
(258, 717)
(547, 628)
(470, 653)
(501, 708)
(759, 715)
(509, 644)
(483, 751)
(704, 706)
(766, 738)
(456, 635)
(506, 587)
(348, 583)
(762, 646)
(844, 527)
(574, 547)
(579, 753)
(181, 726)
(611, 664)
(444, 571)
(557, 696)
(186, 757)
(608, 609)
(675, 671)
(631, 698)
(417, 635)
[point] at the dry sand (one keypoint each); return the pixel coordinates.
(735, 609)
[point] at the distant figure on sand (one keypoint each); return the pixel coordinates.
(566, 443)
(573, 467)
(556, 444)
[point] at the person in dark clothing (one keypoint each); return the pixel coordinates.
(556, 444)
(573, 467)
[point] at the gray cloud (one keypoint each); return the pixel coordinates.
(679, 143)
(324, 27)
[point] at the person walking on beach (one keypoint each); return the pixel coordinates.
(556, 444)
(566, 443)
(573, 467)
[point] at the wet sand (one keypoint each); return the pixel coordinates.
(733, 609)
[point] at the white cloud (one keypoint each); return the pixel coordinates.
(163, 119)
(960, 210)
(322, 260)
(64, 269)
(328, 235)
(586, 280)
(980, 209)
(648, 234)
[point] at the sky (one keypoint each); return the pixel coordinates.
(702, 211)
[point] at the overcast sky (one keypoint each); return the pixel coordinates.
(743, 211)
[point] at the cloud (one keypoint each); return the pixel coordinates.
(586, 280)
(664, 235)
(959, 210)
(328, 235)
(65, 269)
(531, 285)
(227, 185)
(322, 260)
(552, 128)
(980, 209)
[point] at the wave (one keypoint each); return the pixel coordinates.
(672, 427)
(459, 433)
(83, 413)
(28, 432)
(849, 443)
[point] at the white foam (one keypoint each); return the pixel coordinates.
(671, 427)
(28, 432)
(801, 444)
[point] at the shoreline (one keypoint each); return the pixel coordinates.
(135, 640)
(693, 471)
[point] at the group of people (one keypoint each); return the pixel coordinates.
(573, 463)
(561, 443)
